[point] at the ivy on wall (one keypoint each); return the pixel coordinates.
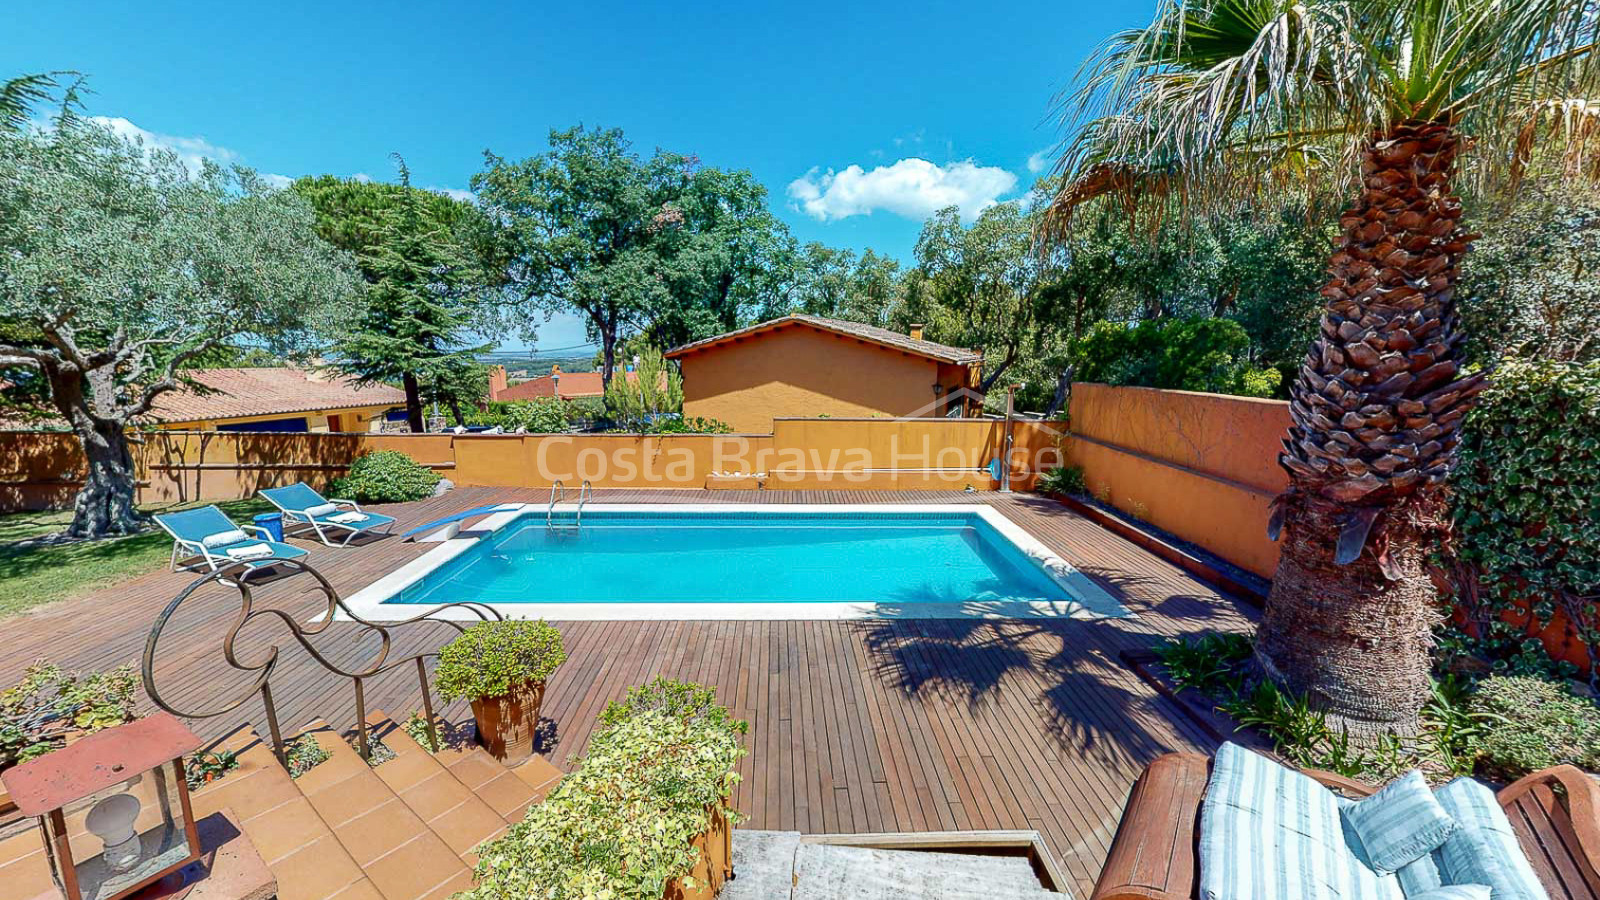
(1527, 503)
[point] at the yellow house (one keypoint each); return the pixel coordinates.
(806, 366)
(274, 399)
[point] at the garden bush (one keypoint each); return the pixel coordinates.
(546, 415)
(1526, 506)
(1538, 724)
(489, 658)
(1210, 355)
(1063, 480)
(658, 770)
(386, 476)
(38, 712)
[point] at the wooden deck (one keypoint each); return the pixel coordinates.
(855, 726)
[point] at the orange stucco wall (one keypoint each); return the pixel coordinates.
(1201, 466)
(801, 371)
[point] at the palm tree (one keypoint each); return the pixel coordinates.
(1391, 107)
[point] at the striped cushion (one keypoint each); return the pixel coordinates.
(1270, 833)
(1400, 823)
(1419, 876)
(1484, 850)
(1454, 892)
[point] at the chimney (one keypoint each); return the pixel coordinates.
(497, 381)
(916, 332)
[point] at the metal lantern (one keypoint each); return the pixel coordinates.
(113, 808)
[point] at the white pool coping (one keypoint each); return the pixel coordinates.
(1092, 602)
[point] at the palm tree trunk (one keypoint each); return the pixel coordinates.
(1376, 407)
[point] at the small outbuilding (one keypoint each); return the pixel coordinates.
(807, 366)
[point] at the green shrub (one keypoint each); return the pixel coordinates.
(1538, 724)
(38, 712)
(1212, 664)
(489, 658)
(386, 476)
(304, 753)
(1526, 506)
(690, 425)
(620, 826)
(546, 415)
(1063, 480)
(1210, 355)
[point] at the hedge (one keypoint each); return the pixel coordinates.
(622, 825)
(1526, 504)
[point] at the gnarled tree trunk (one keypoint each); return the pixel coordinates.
(105, 505)
(1376, 407)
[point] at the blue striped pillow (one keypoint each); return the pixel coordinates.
(1400, 823)
(1454, 892)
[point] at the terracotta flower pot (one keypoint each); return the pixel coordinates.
(506, 724)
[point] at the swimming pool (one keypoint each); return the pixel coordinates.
(716, 561)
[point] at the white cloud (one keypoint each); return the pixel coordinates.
(1040, 161)
(914, 188)
(456, 194)
(190, 150)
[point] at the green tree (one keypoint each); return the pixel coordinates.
(424, 286)
(119, 269)
(654, 389)
(983, 284)
(582, 228)
(1531, 287)
(1217, 102)
(1209, 355)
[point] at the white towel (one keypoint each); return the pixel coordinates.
(348, 517)
(253, 551)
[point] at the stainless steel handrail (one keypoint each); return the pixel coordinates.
(584, 493)
(232, 576)
(555, 497)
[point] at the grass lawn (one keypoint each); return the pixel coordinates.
(34, 576)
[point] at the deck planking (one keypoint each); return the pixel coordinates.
(855, 726)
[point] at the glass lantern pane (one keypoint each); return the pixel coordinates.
(126, 834)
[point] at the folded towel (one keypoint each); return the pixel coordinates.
(253, 551)
(224, 538)
(348, 517)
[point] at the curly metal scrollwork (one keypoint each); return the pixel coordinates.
(236, 576)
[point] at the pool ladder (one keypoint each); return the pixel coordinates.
(558, 494)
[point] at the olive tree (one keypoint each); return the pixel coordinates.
(120, 267)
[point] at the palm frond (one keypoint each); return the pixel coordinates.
(1219, 98)
(19, 96)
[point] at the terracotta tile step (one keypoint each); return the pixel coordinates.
(509, 792)
(401, 856)
(450, 809)
(297, 845)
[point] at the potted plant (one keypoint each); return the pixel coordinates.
(501, 668)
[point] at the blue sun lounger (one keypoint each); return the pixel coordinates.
(304, 508)
(210, 536)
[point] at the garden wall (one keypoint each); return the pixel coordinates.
(1200, 466)
(43, 470)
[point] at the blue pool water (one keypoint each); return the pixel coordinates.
(634, 557)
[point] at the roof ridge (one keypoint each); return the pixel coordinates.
(878, 334)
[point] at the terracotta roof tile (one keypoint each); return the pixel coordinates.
(894, 339)
(267, 392)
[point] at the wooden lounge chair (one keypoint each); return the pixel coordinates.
(1556, 814)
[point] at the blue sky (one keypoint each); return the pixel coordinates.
(931, 103)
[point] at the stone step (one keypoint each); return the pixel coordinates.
(449, 808)
(509, 792)
(401, 856)
(298, 847)
(831, 872)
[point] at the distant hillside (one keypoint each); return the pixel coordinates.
(522, 368)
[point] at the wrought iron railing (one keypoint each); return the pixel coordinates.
(266, 662)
